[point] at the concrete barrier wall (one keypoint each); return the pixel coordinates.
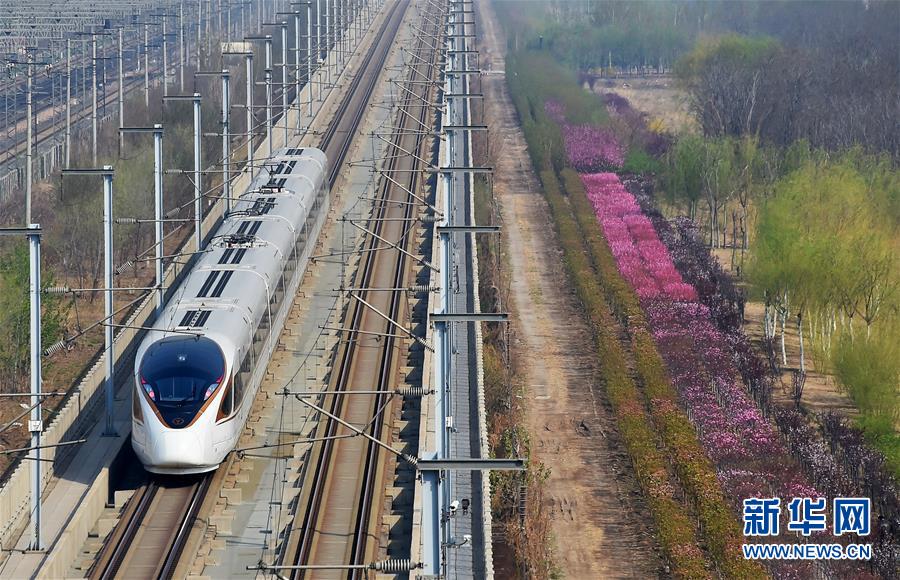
(66, 551)
(484, 450)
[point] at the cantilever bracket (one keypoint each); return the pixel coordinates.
(454, 169)
(469, 317)
(422, 261)
(410, 193)
(406, 152)
(390, 320)
(469, 229)
(425, 102)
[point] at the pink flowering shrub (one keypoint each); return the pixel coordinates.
(750, 458)
(642, 259)
(588, 148)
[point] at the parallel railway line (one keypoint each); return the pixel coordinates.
(52, 130)
(336, 519)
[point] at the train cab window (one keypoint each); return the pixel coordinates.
(136, 410)
(227, 407)
(238, 389)
(179, 375)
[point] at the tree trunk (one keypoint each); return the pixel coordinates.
(733, 237)
(800, 335)
(745, 230)
(783, 349)
(724, 226)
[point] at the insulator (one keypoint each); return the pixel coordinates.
(172, 212)
(124, 267)
(126, 220)
(394, 566)
(57, 290)
(423, 288)
(411, 391)
(56, 347)
(431, 219)
(411, 459)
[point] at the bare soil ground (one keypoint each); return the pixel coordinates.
(598, 517)
(658, 96)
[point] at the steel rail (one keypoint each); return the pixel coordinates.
(326, 487)
(155, 530)
(298, 541)
(110, 557)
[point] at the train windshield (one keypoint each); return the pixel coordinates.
(180, 374)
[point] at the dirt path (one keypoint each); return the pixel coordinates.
(598, 517)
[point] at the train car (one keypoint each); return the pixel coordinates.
(198, 369)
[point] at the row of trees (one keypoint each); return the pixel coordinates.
(777, 70)
(826, 256)
(715, 180)
(739, 85)
(822, 231)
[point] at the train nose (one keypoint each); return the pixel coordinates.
(179, 449)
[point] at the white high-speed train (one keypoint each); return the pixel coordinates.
(197, 371)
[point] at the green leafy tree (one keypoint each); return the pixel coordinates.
(683, 173)
(15, 308)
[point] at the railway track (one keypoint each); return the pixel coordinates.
(337, 515)
(157, 520)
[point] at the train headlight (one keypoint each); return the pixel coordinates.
(212, 388)
(148, 388)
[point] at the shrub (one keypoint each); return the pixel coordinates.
(676, 531)
(639, 161)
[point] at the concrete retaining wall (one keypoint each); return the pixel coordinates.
(66, 550)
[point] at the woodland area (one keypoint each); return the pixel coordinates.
(770, 68)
